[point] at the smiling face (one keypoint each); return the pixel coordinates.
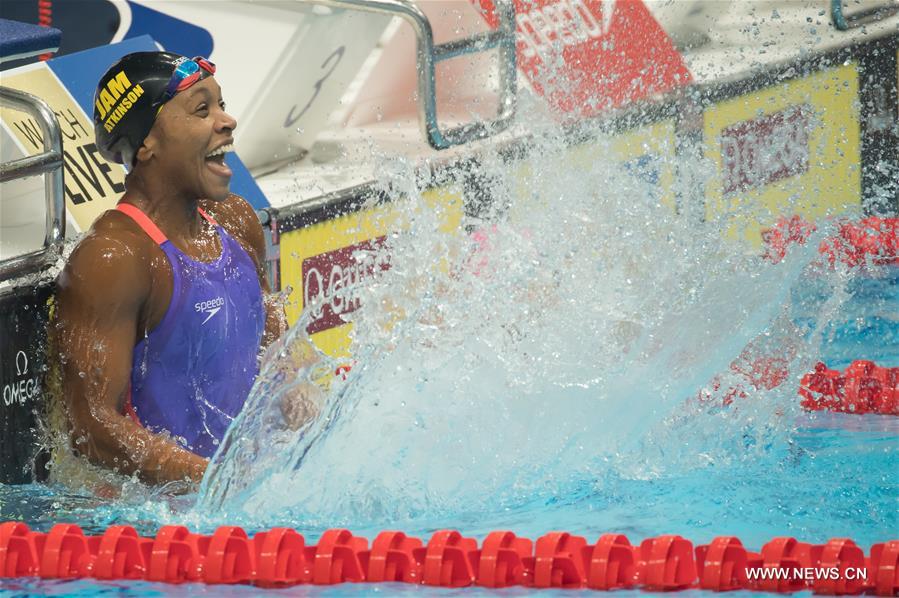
(189, 140)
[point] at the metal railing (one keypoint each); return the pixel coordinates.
(864, 16)
(48, 162)
(429, 54)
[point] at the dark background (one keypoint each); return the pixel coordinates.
(79, 33)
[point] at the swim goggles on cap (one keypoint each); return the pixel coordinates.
(186, 74)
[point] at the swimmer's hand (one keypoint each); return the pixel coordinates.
(300, 404)
(177, 464)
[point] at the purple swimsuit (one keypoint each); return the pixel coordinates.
(192, 373)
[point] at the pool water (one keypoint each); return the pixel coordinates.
(833, 479)
(757, 469)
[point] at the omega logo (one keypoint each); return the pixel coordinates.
(24, 387)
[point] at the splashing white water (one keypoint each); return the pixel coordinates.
(532, 356)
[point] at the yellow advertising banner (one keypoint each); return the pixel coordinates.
(319, 260)
(788, 149)
(92, 185)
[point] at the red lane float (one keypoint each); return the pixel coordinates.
(667, 564)
(863, 387)
(450, 560)
(722, 565)
(395, 557)
(872, 238)
(502, 561)
(280, 558)
(611, 563)
(854, 244)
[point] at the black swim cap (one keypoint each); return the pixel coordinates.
(129, 97)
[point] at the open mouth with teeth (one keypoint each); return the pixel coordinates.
(215, 160)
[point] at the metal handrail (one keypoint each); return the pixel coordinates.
(49, 162)
(429, 54)
(868, 15)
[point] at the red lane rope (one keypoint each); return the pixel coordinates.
(863, 387)
(854, 244)
(280, 557)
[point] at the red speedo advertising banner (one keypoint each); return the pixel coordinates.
(613, 52)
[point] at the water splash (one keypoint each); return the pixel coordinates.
(524, 362)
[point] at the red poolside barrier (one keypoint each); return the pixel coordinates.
(280, 557)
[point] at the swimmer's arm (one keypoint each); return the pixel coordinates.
(100, 295)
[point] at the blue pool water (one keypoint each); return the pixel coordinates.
(757, 469)
(835, 479)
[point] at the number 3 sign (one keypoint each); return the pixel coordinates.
(327, 67)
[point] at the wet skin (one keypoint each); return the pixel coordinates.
(117, 284)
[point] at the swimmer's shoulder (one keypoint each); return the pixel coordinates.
(113, 257)
(116, 230)
(237, 216)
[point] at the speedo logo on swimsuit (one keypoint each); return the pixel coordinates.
(119, 94)
(210, 308)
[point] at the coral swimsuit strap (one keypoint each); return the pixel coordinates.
(149, 226)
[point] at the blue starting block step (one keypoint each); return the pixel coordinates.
(23, 40)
